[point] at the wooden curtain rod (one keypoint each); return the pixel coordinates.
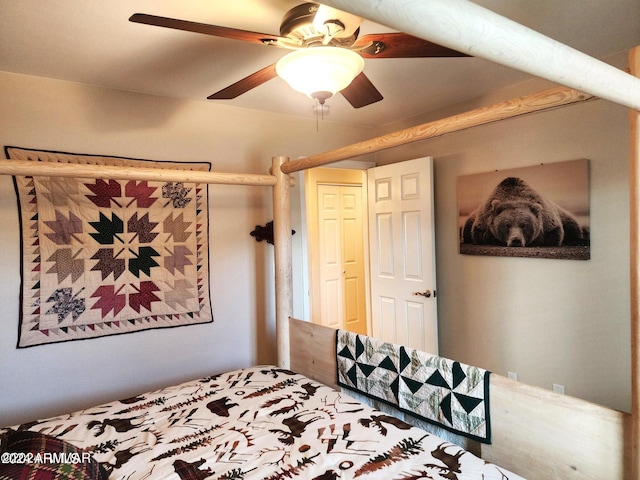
(546, 100)
(469, 28)
(50, 169)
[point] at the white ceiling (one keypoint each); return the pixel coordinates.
(92, 42)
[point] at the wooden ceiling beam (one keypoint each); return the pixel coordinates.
(469, 28)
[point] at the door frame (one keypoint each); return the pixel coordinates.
(333, 176)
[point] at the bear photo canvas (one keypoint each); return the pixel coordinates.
(540, 211)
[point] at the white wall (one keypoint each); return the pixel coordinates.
(550, 321)
(53, 115)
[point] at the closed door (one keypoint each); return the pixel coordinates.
(342, 280)
(402, 254)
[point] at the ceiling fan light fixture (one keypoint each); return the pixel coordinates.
(320, 72)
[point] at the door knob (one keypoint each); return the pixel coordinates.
(426, 293)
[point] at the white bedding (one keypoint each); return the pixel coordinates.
(259, 423)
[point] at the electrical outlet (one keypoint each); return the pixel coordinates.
(512, 375)
(558, 388)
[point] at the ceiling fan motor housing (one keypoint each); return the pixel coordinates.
(298, 22)
(298, 25)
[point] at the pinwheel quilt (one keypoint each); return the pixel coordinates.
(441, 391)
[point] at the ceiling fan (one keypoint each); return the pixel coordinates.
(313, 29)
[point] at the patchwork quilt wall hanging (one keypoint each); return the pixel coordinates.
(444, 392)
(104, 257)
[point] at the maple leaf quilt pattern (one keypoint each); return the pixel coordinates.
(103, 256)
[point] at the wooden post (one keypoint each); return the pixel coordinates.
(634, 187)
(283, 265)
(469, 28)
(535, 102)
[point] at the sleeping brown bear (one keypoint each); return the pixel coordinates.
(515, 215)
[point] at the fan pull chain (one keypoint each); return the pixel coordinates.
(319, 109)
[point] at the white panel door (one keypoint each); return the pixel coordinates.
(341, 257)
(353, 259)
(330, 244)
(402, 254)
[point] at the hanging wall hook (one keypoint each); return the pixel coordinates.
(265, 233)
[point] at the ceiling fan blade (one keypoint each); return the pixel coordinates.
(361, 92)
(216, 31)
(252, 81)
(401, 45)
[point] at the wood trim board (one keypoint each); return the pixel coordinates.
(313, 350)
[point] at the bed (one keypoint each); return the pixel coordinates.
(533, 429)
(261, 422)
